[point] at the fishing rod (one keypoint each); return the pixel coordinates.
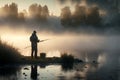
(44, 40)
(39, 41)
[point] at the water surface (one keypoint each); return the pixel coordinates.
(81, 71)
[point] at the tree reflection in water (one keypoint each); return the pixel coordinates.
(67, 67)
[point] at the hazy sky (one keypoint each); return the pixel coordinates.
(54, 8)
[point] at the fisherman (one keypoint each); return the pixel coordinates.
(34, 40)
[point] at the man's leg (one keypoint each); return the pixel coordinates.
(32, 53)
(35, 53)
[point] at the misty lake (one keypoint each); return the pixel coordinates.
(104, 49)
(79, 71)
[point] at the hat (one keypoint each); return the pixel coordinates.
(34, 31)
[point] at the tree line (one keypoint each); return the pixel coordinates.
(81, 16)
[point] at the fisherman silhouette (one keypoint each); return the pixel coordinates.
(34, 40)
(34, 72)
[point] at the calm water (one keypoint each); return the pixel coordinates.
(83, 71)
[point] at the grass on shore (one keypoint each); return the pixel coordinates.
(67, 58)
(8, 53)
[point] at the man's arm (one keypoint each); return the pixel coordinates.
(37, 39)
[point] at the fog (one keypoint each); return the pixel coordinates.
(96, 47)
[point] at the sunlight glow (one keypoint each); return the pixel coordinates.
(53, 47)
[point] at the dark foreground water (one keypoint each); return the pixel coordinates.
(81, 71)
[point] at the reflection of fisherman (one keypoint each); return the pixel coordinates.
(34, 40)
(34, 72)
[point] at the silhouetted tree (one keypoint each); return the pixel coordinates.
(79, 16)
(35, 10)
(10, 11)
(66, 16)
(38, 12)
(4, 11)
(45, 12)
(93, 16)
(13, 9)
